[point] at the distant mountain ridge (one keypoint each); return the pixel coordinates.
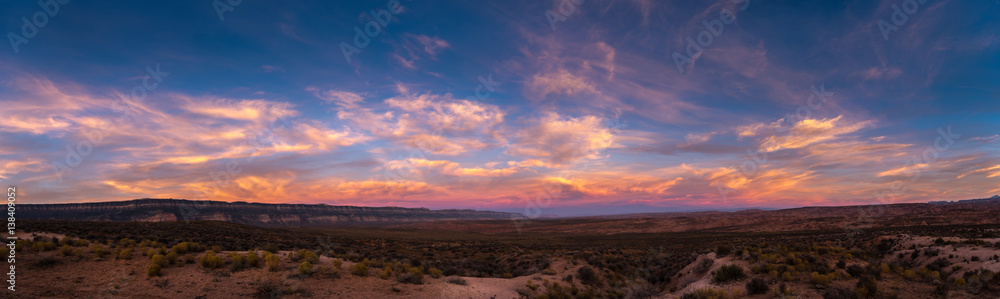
(259, 214)
(985, 211)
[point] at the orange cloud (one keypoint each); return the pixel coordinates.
(563, 140)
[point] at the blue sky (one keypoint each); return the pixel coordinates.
(582, 108)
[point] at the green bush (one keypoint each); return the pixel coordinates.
(728, 273)
(66, 250)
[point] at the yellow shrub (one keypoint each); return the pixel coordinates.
(153, 270)
(305, 268)
(359, 270)
(273, 261)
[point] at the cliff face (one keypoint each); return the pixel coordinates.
(247, 213)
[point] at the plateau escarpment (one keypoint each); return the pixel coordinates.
(259, 214)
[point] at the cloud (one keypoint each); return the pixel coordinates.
(563, 140)
(343, 98)
(560, 82)
(439, 124)
(986, 139)
(810, 131)
(431, 45)
(450, 168)
(994, 171)
(260, 111)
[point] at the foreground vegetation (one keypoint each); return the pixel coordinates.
(835, 264)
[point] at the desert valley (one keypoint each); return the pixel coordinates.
(947, 249)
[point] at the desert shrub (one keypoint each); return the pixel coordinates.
(386, 273)
(272, 261)
(210, 260)
(46, 262)
(723, 250)
(457, 280)
(124, 254)
(359, 270)
(217, 248)
(507, 275)
(757, 286)
(306, 255)
(960, 282)
(337, 264)
(189, 258)
(269, 289)
(435, 273)
(153, 270)
(82, 243)
(180, 248)
(866, 286)
(820, 279)
(411, 277)
(270, 248)
(638, 290)
(588, 276)
(937, 265)
(840, 293)
(238, 262)
(841, 264)
(66, 250)
(171, 257)
(252, 260)
(707, 293)
(99, 251)
(305, 268)
(159, 260)
(728, 273)
(150, 252)
(975, 258)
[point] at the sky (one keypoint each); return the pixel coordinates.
(565, 107)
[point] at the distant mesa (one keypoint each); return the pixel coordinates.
(259, 214)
